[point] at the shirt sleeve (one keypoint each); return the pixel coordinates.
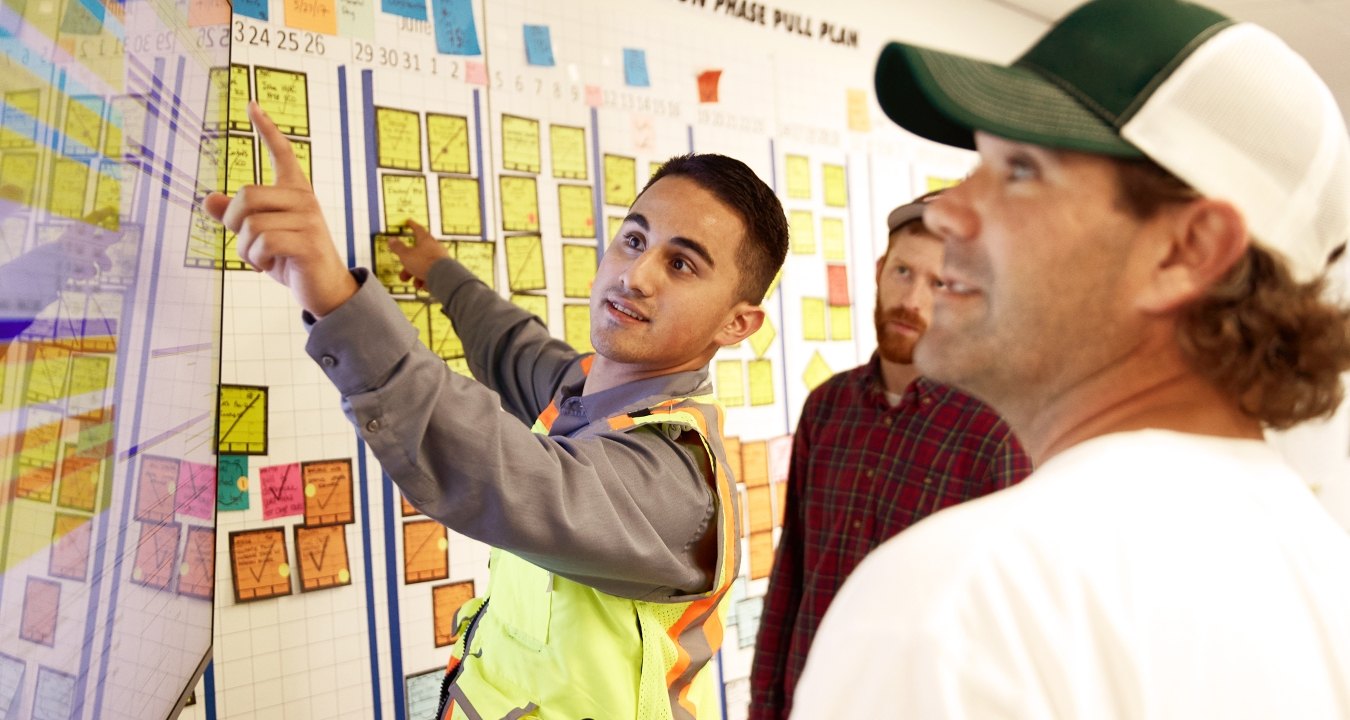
(627, 513)
(1008, 464)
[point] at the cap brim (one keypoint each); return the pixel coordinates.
(945, 98)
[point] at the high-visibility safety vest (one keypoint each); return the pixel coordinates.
(542, 646)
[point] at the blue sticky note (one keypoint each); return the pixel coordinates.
(538, 46)
(256, 9)
(230, 493)
(455, 31)
(411, 9)
(635, 67)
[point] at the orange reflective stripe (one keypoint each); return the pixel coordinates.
(586, 363)
(621, 422)
(549, 415)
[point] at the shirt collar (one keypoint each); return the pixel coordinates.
(629, 397)
(875, 391)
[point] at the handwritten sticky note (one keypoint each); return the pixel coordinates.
(11, 681)
(708, 80)
(520, 144)
(411, 9)
(156, 560)
(242, 420)
(444, 342)
(398, 139)
(231, 483)
(55, 694)
(520, 203)
(837, 281)
(763, 338)
(761, 382)
(579, 264)
(256, 9)
(568, 146)
(405, 198)
(318, 16)
(577, 327)
(39, 446)
(285, 97)
(445, 602)
(83, 125)
(620, 180)
(448, 143)
(780, 458)
(423, 692)
(730, 383)
(258, 564)
(836, 185)
(755, 463)
(525, 262)
(356, 18)
(196, 493)
(155, 488)
(69, 181)
(759, 505)
(475, 73)
(240, 170)
(108, 187)
(283, 493)
(47, 370)
(71, 536)
(80, 473)
(425, 551)
(480, 258)
(859, 115)
(817, 371)
(41, 609)
(635, 67)
(302, 154)
(460, 212)
(418, 313)
(802, 232)
(197, 573)
(321, 557)
(239, 94)
(832, 242)
(813, 318)
(456, 33)
(538, 46)
(386, 265)
(798, 171)
(841, 323)
(761, 555)
(536, 305)
(19, 169)
(328, 491)
(576, 211)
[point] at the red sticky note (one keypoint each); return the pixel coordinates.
(283, 493)
(196, 494)
(595, 97)
(475, 73)
(707, 85)
(837, 277)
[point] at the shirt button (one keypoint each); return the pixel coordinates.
(857, 524)
(328, 361)
(927, 401)
(373, 426)
(870, 472)
(886, 421)
(928, 481)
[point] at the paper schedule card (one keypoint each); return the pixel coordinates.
(761, 382)
(525, 262)
(836, 185)
(302, 153)
(461, 213)
(197, 574)
(240, 170)
(841, 323)
(577, 327)
(520, 204)
(285, 97)
(71, 536)
(620, 180)
(832, 239)
(321, 556)
(328, 491)
(448, 143)
(241, 425)
(283, 494)
(579, 265)
(445, 602)
(761, 554)
(426, 553)
(759, 507)
(195, 494)
(156, 555)
(798, 171)
(398, 139)
(755, 463)
(41, 603)
(156, 485)
(480, 258)
(813, 319)
(520, 144)
(576, 211)
(444, 342)
(730, 383)
(536, 305)
(80, 473)
(802, 232)
(387, 265)
(258, 564)
(405, 198)
(232, 482)
(569, 151)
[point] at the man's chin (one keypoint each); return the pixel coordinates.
(897, 352)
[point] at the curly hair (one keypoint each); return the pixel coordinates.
(1274, 344)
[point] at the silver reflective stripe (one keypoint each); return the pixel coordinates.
(458, 699)
(520, 712)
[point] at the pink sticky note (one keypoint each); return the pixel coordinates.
(837, 276)
(780, 458)
(196, 490)
(595, 97)
(475, 73)
(283, 493)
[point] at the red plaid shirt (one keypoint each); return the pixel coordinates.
(862, 471)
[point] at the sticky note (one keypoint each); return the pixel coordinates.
(708, 80)
(196, 492)
(240, 94)
(242, 420)
(538, 46)
(426, 553)
(536, 305)
(156, 485)
(80, 474)
(444, 342)
(859, 117)
(156, 558)
(71, 541)
(83, 125)
(576, 211)
(48, 366)
(285, 97)
(240, 169)
(328, 491)
(635, 67)
(282, 491)
(418, 313)
(69, 182)
(258, 564)
(411, 9)
(302, 154)
(802, 232)
(568, 146)
(39, 446)
(759, 506)
(817, 371)
(256, 9)
(456, 33)
(832, 242)
(460, 212)
(387, 266)
(41, 610)
(836, 185)
(841, 323)
(11, 681)
(579, 264)
(837, 281)
(933, 182)
(318, 16)
(20, 126)
(423, 691)
(197, 573)
(356, 18)
(19, 169)
(577, 327)
(520, 144)
(231, 483)
(445, 602)
(595, 96)
(480, 257)
(620, 180)
(613, 224)
(108, 187)
(405, 198)
(761, 382)
(321, 557)
(763, 337)
(755, 463)
(520, 203)
(211, 164)
(525, 263)
(730, 382)
(448, 143)
(798, 171)
(55, 694)
(407, 507)
(761, 555)
(813, 319)
(398, 139)
(475, 73)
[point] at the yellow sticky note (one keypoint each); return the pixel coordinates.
(802, 232)
(577, 327)
(520, 144)
(612, 226)
(841, 322)
(480, 258)
(398, 139)
(240, 94)
(318, 16)
(459, 366)
(813, 319)
(206, 241)
(832, 238)
(241, 425)
(239, 166)
(21, 116)
(569, 151)
(302, 153)
(817, 371)
(405, 198)
(761, 382)
(83, 126)
(652, 169)
(730, 383)
(534, 304)
(763, 337)
(448, 143)
(525, 263)
(89, 374)
(836, 186)
(859, 116)
(933, 182)
(70, 181)
(418, 313)
(211, 164)
(387, 265)
(285, 97)
(19, 169)
(46, 377)
(460, 212)
(798, 171)
(620, 180)
(216, 116)
(108, 186)
(576, 211)
(579, 262)
(520, 204)
(444, 342)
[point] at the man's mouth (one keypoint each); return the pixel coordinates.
(626, 310)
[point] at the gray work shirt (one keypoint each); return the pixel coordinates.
(629, 513)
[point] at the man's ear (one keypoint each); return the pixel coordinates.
(742, 322)
(1198, 243)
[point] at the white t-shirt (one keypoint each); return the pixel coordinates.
(1147, 574)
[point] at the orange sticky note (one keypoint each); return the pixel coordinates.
(595, 97)
(859, 120)
(707, 85)
(318, 16)
(208, 12)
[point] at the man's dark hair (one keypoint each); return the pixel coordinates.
(736, 186)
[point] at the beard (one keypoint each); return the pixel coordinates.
(893, 346)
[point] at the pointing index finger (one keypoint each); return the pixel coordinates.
(288, 170)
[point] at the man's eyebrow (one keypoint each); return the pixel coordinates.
(640, 219)
(695, 247)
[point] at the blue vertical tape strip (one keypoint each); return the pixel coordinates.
(209, 688)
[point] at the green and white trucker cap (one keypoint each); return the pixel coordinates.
(1226, 106)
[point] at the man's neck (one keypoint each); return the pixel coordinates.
(895, 377)
(606, 373)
